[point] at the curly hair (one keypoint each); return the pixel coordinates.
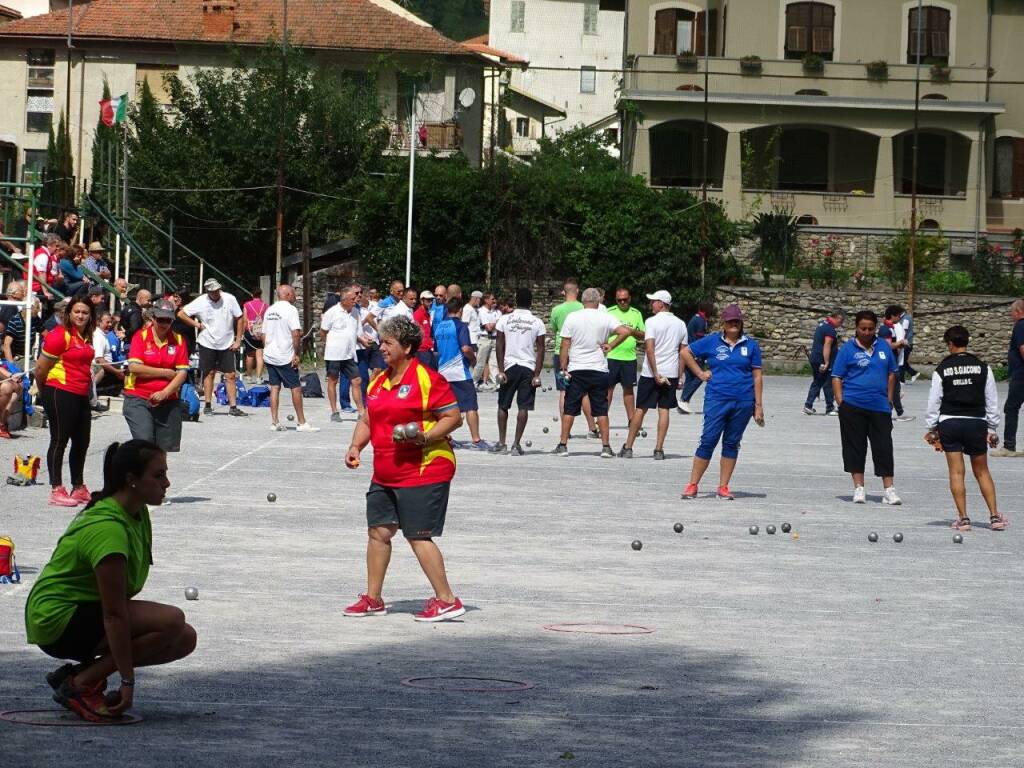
(404, 331)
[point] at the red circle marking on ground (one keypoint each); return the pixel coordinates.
(600, 629)
(61, 718)
(439, 684)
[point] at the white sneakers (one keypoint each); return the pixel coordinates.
(307, 427)
(889, 497)
(859, 495)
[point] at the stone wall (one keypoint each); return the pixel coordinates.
(783, 319)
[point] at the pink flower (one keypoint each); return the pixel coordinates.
(997, 249)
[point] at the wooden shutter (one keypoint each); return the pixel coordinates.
(822, 42)
(912, 36)
(713, 32)
(796, 39)
(798, 23)
(665, 32)
(1018, 169)
(823, 19)
(938, 29)
(698, 33)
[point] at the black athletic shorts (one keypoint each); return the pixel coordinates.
(338, 368)
(968, 436)
(251, 344)
(216, 360)
(82, 635)
(518, 385)
(419, 510)
(621, 372)
(650, 395)
(583, 384)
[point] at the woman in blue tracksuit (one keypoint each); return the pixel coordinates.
(733, 396)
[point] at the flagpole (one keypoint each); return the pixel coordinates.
(412, 179)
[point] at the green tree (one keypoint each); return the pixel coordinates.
(895, 256)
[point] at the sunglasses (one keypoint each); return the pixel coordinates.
(162, 320)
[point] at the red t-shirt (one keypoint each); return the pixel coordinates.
(147, 349)
(422, 317)
(417, 397)
(72, 370)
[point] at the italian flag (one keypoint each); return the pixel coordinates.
(113, 110)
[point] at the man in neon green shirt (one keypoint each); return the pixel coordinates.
(622, 359)
(571, 292)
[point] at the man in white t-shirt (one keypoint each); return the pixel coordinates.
(340, 329)
(489, 316)
(520, 353)
(471, 317)
(221, 324)
(583, 360)
(664, 340)
(282, 344)
(108, 379)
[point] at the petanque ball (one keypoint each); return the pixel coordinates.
(872, 537)
(529, 444)
(637, 544)
(545, 430)
(643, 433)
(753, 530)
(412, 429)
(398, 433)
(958, 539)
(770, 530)
(290, 417)
(897, 537)
(554, 419)
(271, 497)
(191, 593)
(678, 527)
(786, 527)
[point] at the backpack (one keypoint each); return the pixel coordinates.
(220, 394)
(311, 385)
(9, 573)
(189, 399)
(258, 396)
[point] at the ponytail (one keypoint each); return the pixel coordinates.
(119, 461)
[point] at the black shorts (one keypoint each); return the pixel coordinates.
(650, 395)
(251, 344)
(621, 372)
(583, 384)
(419, 510)
(81, 637)
(376, 359)
(465, 395)
(216, 360)
(519, 385)
(968, 436)
(338, 368)
(283, 375)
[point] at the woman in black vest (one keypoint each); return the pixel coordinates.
(963, 416)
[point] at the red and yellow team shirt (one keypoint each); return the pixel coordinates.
(73, 356)
(147, 349)
(416, 397)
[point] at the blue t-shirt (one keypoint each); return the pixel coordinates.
(697, 328)
(1014, 361)
(825, 330)
(731, 368)
(450, 335)
(865, 375)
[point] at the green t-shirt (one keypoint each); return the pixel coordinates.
(69, 579)
(631, 318)
(558, 315)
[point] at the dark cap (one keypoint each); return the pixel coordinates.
(163, 309)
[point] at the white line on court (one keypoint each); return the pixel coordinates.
(221, 468)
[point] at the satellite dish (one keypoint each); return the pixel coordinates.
(467, 97)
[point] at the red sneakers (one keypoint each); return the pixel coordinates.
(725, 493)
(439, 610)
(366, 606)
(690, 492)
(88, 703)
(81, 494)
(3, 431)
(59, 497)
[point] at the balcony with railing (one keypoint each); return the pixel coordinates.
(441, 138)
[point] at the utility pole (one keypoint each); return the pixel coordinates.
(913, 170)
(704, 184)
(412, 180)
(67, 115)
(280, 149)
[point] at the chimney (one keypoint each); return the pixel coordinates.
(219, 18)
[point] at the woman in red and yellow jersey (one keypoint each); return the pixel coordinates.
(411, 473)
(157, 367)
(64, 372)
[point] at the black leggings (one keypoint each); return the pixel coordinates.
(70, 418)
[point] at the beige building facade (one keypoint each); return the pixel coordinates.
(811, 107)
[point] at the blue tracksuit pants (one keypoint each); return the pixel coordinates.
(724, 420)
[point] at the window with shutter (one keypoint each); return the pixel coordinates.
(665, 32)
(518, 21)
(810, 29)
(931, 42)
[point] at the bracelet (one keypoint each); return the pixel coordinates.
(129, 683)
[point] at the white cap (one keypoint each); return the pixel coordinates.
(663, 296)
(476, 295)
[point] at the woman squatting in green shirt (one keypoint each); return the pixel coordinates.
(82, 605)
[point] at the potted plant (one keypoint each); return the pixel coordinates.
(750, 64)
(813, 63)
(878, 70)
(940, 72)
(687, 60)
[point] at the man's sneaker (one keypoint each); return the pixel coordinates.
(349, 409)
(336, 418)
(595, 434)
(860, 496)
(607, 452)
(479, 445)
(56, 678)
(517, 450)
(659, 455)
(904, 417)
(833, 412)
(499, 448)
(99, 407)
(87, 703)
(625, 452)
(690, 492)
(234, 410)
(306, 427)
(59, 497)
(277, 428)
(207, 410)
(808, 411)
(81, 494)
(684, 408)
(890, 497)
(724, 493)
(439, 610)
(366, 606)
(1005, 453)
(561, 450)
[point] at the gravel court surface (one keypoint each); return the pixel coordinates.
(767, 650)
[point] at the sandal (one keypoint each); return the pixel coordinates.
(961, 524)
(998, 522)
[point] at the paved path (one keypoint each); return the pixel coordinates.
(767, 651)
